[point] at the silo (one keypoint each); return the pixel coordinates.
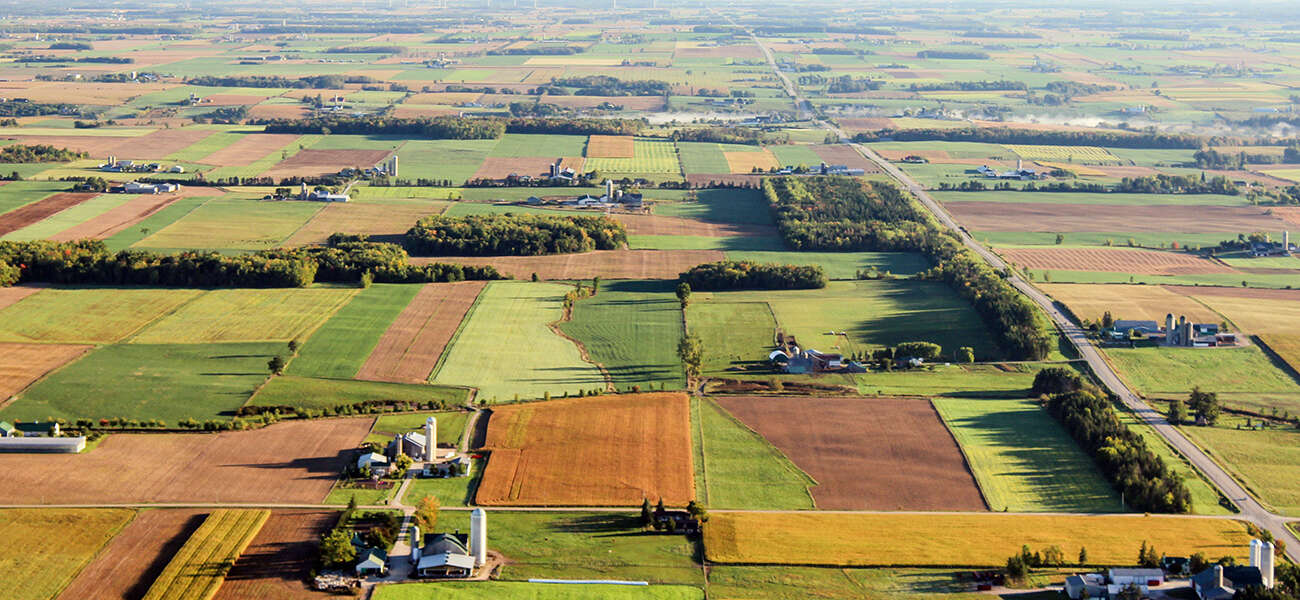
(430, 438)
(415, 544)
(478, 536)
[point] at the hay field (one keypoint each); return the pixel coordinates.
(340, 346)
(1266, 461)
(949, 540)
(630, 447)
(649, 156)
(1118, 260)
(1140, 302)
(609, 146)
(1065, 154)
(198, 570)
(246, 315)
(746, 162)
(631, 328)
(409, 347)
(234, 223)
(92, 315)
(376, 220)
(511, 590)
(44, 549)
(35, 212)
(505, 346)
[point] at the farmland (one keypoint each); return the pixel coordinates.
(736, 333)
(1266, 460)
(133, 558)
(200, 567)
(534, 591)
(278, 561)
(25, 363)
(631, 329)
(738, 468)
(533, 445)
(91, 315)
(1066, 154)
(1146, 262)
(61, 555)
(318, 393)
(607, 264)
(418, 336)
(648, 157)
(233, 223)
(341, 345)
(246, 316)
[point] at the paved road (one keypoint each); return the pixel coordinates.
(1251, 509)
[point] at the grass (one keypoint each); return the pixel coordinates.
(1206, 499)
(247, 315)
(1083, 154)
(456, 160)
(506, 348)
(734, 333)
(702, 157)
(341, 346)
(67, 218)
(738, 468)
(1174, 371)
(451, 425)
(41, 555)
(632, 329)
(200, 567)
(520, 145)
(744, 207)
(801, 583)
(698, 242)
(965, 540)
(170, 214)
(649, 156)
(16, 194)
(234, 224)
(1023, 460)
(843, 265)
(1266, 461)
(795, 156)
(955, 381)
(87, 315)
(513, 590)
(450, 491)
(166, 381)
(306, 392)
(341, 495)
(199, 150)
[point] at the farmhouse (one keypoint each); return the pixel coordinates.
(1187, 334)
(678, 521)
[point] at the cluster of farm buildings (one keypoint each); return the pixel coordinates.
(1217, 582)
(38, 437)
(1181, 333)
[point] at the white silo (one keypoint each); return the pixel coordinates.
(1261, 557)
(478, 536)
(430, 438)
(415, 544)
(609, 189)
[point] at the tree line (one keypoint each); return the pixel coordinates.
(39, 153)
(1006, 135)
(604, 85)
(1159, 183)
(324, 82)
(749, 275)
(513, 235)
(1000, 85)
(449, 127)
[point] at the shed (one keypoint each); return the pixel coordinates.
(6, 429)
(372, 562)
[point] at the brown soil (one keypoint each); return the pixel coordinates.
(279, 111)
(1029, 216)
(96, 146)
(1289, 214)
(38, 211)
(376, 220)
(311, 163)
(249, 149)
(280, 559)
(161, 143)
(609, 264)
(657, 225)
(843, 154)
(876, 454)
(133, 559)
(501, 167)
(22, 364)
(133, 211)
(411, 346)
(1118, 260)
(292, 462)
(610, 146)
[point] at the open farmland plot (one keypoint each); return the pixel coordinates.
(1065, 154)
(67, 218)
(278, 563)
(631, 447)
(1067, 218)
(382, 222)
(609, 146)
(747, 162)
(737, 468)
(314, 393)
(246, 315)
(292, 462)
(234, 223)
(607, 264)
(455, 160)
(631, 328)
(649, 157)
(417, 337)
(136, 209)
(162, 143)
(844, 154)
(519, 590)
(198, 569)
(133, 232)
(975, 540)
(1243, 377)
(40, 210)
(249, 149)
(1119, 260)
(1266, 461)
(878, 454)
(341, 345)
(314, 162)
(735, 333)
(45, 548)
(510, 325)
(1140, 302)
(22, 364)
(90, 315)
(135, 557)
(678, 226)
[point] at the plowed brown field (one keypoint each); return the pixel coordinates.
(657, 225)
(23, 364)
(135, 557)
(371, 219)
(276, 565)
(322, 162)
(35, 212)
(161, 143)
(877, 454)
(610, 146)
(249, 149)
(1029, 216)
(411, 346)
(597, 451)
(497, 167)
(293, 462)
(609, 264)
(843, 154)
(1116, 260)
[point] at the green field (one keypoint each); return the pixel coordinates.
(165, 381)
(87, 315)
(16, 194)
(843, 265)
(456, 160)
(39, 557)
(1023, 460)
(1205, 499)
(234, 224)
(703, 158)
(1172, 372)
(451, 425)
(306, 392)
(733, 243)
(648, 156)
(450, 491)
(737, 468)
(632, 329)
(170, 214)
(505, 347)
(341, 346)
(1266, 461)
(509, 590)
(200, 567)
(733, 333)
(801, 583)
(67, 218)
(796, 155)
(745, 207)
(518, 145)
(246, 315)
(955, 381)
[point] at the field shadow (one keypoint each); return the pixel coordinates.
(288, 561)
(478, 436)
(168, 549)
(326, 465)
(601, 525)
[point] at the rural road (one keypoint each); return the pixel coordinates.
(1251, 509)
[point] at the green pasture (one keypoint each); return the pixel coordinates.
(1266, 461)
(456, 160)
(632, 329)
(341, 346)
(801, 583)
(793, 156)
(702, 158)
(733, 243)
(1205, 498)
(733, 333)
(168, 215)
(16, 194)
(87, 315)
(737, 468)
(648, 156)
(520, 145)
(450, 491)
(1174, 371)
(744, 207)
(519, 590)
(953, 381)
(451, 425)
(247, 315)
(234, 223)
(843, 265)
(319, 393)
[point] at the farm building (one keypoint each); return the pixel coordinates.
(411, 444)
(372, 562)
(1220, 583)
(33, 429)
(455, 467)
(678, 521)
(1188, 334)
(1086, 587)
(376, 462)
(43, 445)
(1123, 329)
(450, 555)
(6, 429)
(133, 187)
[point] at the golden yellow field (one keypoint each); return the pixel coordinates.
(610, 146)
(1287, 346)
(1258, 315)
(950, 540)
(1066, 154)
(1138, 302)
(744, 162)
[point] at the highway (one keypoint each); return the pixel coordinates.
(1250, 508)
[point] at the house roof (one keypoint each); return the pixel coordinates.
(35, 427)
(433, 561)
(373, 557)
(1132, 572)
(6, 426)
(445, 543)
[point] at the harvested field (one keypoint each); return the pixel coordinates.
(609, 146)
(308, 163)
(412, 345)
(1231, 292)
(844, 154)
(45, 548)
(877, 454)
(98, 146)
(1116, 260)
(855, 125)
(243, 315)
(1031, 216)
(277, 564)
(135, 557)
(657, 225)
(163, 142)
(279, 111)
(609, 264)
(197, 571)
(38, 211)
(375, 220)
(116, 219)
(746, 162)
(249, 148)
(1140, 302)
(630, 447)
(232, 99)
(293, 462)
(22, 364)
(500, 167)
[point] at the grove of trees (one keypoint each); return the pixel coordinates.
(749, 275)
(513, 235)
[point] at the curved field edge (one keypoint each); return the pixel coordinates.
(740, 469)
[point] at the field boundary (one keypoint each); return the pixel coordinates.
(442, 358)
(5, 402)
(965, 459)
(771, 448)
(582, 348)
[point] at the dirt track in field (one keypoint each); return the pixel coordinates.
(292, 462)
(310, 163)
(132, 560)
(22, 364)
(38, 211)
(411, 346)
(609, 264)
(866, 454)
(1029, 216)
(249, 149)
(596, 451)
(276, 565)
(657, 225)
(1118, 260)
